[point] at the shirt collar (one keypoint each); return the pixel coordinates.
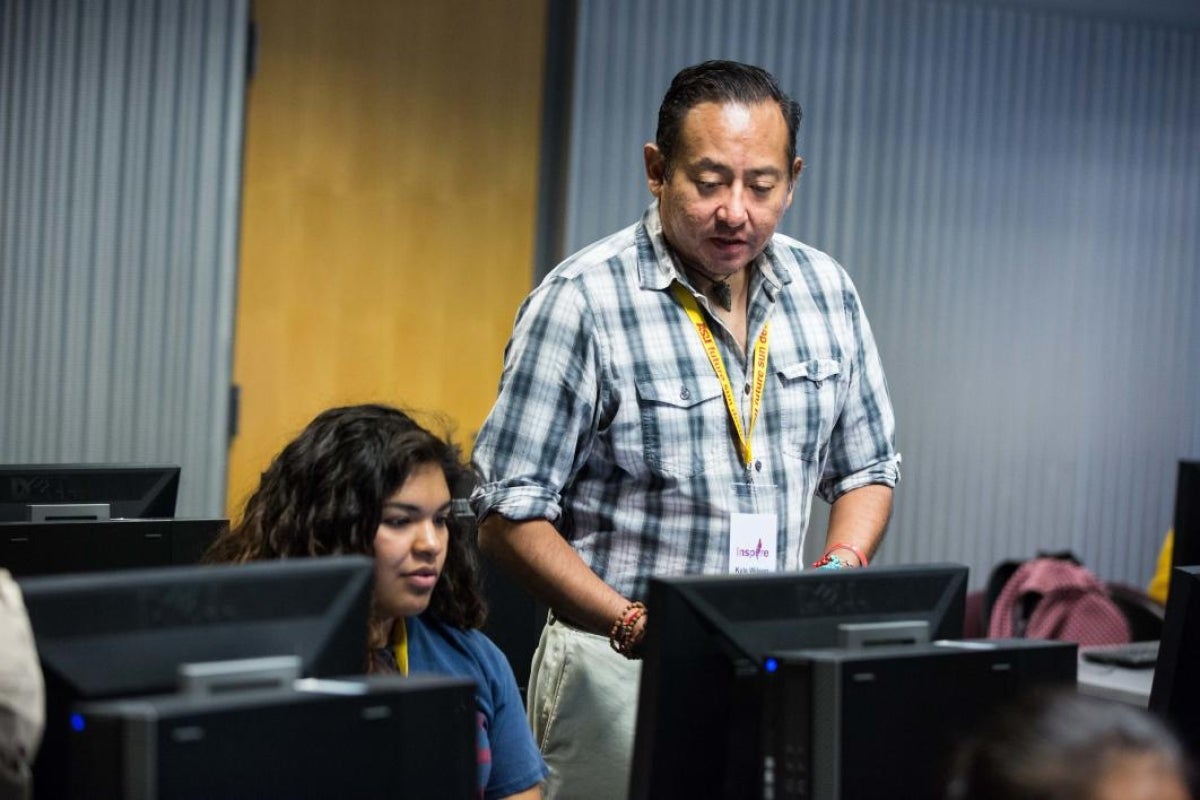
(658, 265)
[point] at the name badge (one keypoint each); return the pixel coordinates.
(753, 530)
(752, 539)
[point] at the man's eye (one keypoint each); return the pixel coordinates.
(762, 189)
(708, 186)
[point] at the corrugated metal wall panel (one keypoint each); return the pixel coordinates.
(1016, 192)
(120, 173)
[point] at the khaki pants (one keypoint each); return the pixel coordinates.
(583, 708)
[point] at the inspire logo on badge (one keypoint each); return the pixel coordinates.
(758, 552)
(747, 559)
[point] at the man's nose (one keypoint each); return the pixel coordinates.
(732, 212)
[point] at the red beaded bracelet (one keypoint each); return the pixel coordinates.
(859, 554)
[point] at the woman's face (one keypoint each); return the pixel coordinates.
(411, 542)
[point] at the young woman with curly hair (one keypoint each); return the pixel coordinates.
(368, 479)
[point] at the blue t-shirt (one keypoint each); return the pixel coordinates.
(509, 760)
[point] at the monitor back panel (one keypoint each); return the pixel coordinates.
(47, 548)
(907, 707)
(402, 737)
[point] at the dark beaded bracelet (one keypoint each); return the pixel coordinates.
(624, 629)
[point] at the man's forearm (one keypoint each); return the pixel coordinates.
(859, 518)
(536, 555)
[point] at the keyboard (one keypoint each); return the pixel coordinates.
(1131, 655)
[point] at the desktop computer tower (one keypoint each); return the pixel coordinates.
(378, 736)
(883, 722)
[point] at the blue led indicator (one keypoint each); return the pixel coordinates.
(772, 665)
(77, 722)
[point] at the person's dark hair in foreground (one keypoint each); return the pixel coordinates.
(369, 480)
(1059, 745)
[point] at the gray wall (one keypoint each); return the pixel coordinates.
(1015, 188)
(120, 172)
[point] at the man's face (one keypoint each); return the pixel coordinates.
(729, 185)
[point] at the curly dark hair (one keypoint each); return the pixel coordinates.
(721, 82)
(324, 493)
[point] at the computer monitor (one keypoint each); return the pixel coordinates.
(48, 548)
(1185, 551)
(706, 646)
(51, 492)
(119, 634)
(1175, 692)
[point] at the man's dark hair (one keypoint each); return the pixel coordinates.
(721, 82)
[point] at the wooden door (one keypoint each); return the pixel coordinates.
(389, 211)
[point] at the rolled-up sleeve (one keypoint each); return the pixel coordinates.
(543, 423)
(862, 448)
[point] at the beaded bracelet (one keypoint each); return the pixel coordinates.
(621, 637)
(858, 553)
(831, 560)
(839, 563)
(621, 634)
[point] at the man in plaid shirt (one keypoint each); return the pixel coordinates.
(672, 398)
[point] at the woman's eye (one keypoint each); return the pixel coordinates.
(442, 520)
(396, 522)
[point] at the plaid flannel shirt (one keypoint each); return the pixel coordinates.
(611, 422)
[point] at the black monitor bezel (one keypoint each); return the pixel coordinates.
(157, 489)
(1175, 691)
(1185, 547)
(105, 635)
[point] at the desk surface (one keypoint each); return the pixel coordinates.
(1122, 684)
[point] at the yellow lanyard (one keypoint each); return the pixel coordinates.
(400, 645)
(759, 358)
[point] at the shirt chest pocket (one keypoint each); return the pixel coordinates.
(810, 404)
(683, 422)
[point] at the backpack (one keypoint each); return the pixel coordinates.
(1056, 597)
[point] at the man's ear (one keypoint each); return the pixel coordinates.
(797, 168)
(656, 168)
